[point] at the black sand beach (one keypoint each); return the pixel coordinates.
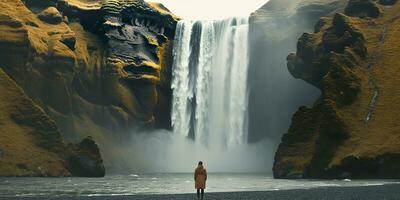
(381, 192)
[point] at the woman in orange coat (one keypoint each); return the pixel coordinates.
(200, 178)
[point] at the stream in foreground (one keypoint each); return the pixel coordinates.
(160, 184)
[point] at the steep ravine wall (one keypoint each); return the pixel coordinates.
(97, 68)
(275, 95)
(352, 130)
(31, 143)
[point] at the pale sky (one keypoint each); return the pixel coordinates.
(211, 9)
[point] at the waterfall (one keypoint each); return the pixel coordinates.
(209, 105)
(210, 94)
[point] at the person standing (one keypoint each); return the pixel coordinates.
(200, 178)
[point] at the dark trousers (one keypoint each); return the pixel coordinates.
(198, 193)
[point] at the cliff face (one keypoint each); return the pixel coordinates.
(96, 68)
(90, 65)
(351, 131)
(138, 35)
(274, 93)
(30, 142)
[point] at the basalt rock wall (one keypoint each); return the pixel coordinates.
(32, 145)
(351, 131)
(97, 68)
(275, 95)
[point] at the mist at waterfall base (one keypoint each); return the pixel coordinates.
(209, 106)
(269, 93)
(160, 151)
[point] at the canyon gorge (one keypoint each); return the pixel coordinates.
(300, 88)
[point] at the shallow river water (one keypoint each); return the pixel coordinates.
(135, 184)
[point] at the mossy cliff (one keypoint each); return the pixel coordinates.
(352, 130)
(274, 30)
(98, 68)
(31, 144)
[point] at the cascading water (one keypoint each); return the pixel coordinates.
(209, 83)
(210, 100)
(211, 108)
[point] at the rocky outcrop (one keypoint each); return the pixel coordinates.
(31, 144)
(51, 15)
(363, 8)
(344, 135)
(136, 34)
(94, 67)
(84, 159)
(274, 30)
(340, 43)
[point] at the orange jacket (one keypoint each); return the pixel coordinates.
(200, 177)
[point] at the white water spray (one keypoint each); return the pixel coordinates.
(210, 100)
(209, 83)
